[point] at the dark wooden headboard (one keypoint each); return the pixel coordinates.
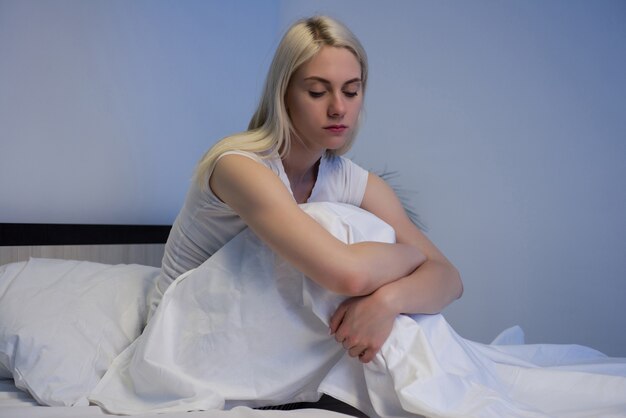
(111, 244)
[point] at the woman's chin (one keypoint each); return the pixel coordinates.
(336, 142)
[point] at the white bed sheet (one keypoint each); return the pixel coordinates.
(246, 328)
(15, 403)
(280, 317)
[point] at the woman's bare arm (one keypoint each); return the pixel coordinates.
(436, 282)
(257, 195)
(362, 324)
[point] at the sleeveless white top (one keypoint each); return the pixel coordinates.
(205, 223)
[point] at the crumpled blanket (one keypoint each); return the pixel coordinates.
(246, 328)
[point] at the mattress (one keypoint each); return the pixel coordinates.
(15, 403)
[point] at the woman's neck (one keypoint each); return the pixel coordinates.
(301, 169)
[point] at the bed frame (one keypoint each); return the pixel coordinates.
(110, 244)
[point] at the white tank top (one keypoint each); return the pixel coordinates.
(205, 223)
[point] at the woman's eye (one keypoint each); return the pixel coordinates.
(316, 93)
(351, 93)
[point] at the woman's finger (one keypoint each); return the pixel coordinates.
(337, 318)
(366, 356)
(357, 351)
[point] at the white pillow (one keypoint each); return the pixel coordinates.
(7, 273)
(62, 322)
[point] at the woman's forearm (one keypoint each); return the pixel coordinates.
(429, 289)
(381, 263)
(362, 324)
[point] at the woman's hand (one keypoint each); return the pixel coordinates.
(362, 324)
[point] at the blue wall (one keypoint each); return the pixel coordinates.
(106, 106)
(507, 119)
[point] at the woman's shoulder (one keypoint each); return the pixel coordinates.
(249, 154)
(270, 161)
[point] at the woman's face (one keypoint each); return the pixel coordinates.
(324, 99)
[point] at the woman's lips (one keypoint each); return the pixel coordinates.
(336, 129)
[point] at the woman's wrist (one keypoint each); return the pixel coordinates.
(385, 299)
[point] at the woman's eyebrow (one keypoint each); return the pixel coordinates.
(324, 81)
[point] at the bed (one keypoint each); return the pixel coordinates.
(246, 330)
(99, 248)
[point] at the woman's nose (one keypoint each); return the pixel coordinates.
(337, 107)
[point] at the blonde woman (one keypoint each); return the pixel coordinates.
(307, 118)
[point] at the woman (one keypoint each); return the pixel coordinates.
(307, 118)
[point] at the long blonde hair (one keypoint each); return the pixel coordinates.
(270, 129)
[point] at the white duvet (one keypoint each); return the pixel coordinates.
(246, 328)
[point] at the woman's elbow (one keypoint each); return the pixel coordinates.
(457, 282)
(351, 282)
